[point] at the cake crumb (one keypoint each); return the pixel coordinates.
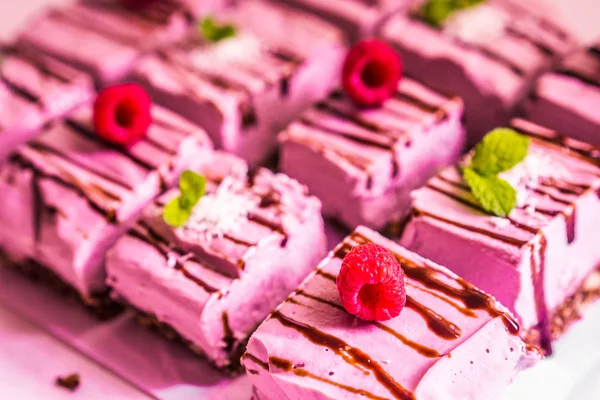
(70, 382)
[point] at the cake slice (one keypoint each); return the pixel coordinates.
(68, 195)
(243, 89)
(34, 90)
(104, 38)
(489, 55)
(451, 340)
(568, 98)
(536, 260)
(248, 243)
(358, 19)
(363, 163)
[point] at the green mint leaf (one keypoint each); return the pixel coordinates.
(192, 187)
(495, 195)
(436, 12)
(175, 213)
(500, 150)
(213, 32)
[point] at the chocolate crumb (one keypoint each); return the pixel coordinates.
(331, 373)
(70, 382)
(301, 365)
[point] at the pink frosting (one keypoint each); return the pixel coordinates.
(214, 291)
(363, 164)
(78, 195)
(103, 38)
(537, 258)
(491, 77)
(245, 89)
(311, 348)
(35, 89)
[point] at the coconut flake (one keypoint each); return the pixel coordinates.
(499, 222)
(220, 212)
(241, 48)
(477, 25)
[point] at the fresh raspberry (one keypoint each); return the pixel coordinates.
(122, 114)
(371, 283)
(371, 73)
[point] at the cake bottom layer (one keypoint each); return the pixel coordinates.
(570, 311)
(150, 321)
(101, 305)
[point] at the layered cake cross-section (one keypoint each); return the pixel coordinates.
(34, 90)
(450, 341)
(211, 280)
(488, 54)
(358, 19)
(105, 37)
(568, 99)
(245, 88)
(538, 259)
(363, 162)
(69, 194)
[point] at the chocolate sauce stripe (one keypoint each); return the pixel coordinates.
(542, 47)
(21, 92)
(40, 64)
(419, 348)
(485, 232)
(286, 55)
(588, 153)
(355, 118)
(501, 59)
(75, 22)
(462, 310)
(40, 146)
(162, 246)
(341, 348)
(420, 103)
(109, 213)
(437, 324)
(309, 122)
(78, 128)
(301, 372)
(268, 224)
(476, 207)
(581, 75)
(538, 280)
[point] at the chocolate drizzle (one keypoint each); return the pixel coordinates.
(21, 92)
(228, 335)
(436, 323)
(538, 266)
(351, 354)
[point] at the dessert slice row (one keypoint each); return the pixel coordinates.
(446, 339)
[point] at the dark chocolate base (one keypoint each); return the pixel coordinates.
(100, 304)
(570, 311)
(151, 322)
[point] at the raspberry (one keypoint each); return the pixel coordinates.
(371, 73)
(371, 283)
(122, 114)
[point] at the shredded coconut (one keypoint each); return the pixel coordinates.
(223, 211)
(386, 361)
(499, 222)
(477, 25)
(240, 48)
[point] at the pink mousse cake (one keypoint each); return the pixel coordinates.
(363, 163)
(451, 341)
(67, 195)
(34, 90)
(568, 99)
(358, 18)
(490, 56)
(537, 258)
(104, 38)
(248, 244)
(246, 88)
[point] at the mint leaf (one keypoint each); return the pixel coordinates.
(500, 150)
(192, 187)
(436, 12)
(213, 32)
(175, 213)
(495, 195)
